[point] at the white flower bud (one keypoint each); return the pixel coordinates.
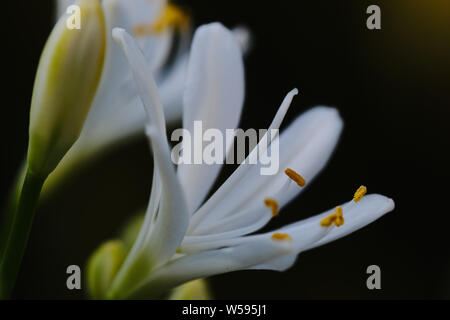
(66, 82)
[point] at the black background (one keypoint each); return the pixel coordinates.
(391, 87)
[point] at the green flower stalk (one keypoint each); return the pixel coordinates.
(67, 78)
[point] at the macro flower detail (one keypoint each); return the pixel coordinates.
(67, 78)
(66, 81)
(163, 33)
(116, 113)
(185, 234)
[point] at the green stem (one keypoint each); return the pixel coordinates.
(12, 199)
(16, 243)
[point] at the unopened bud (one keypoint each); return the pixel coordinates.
(66, 82)
(103, 266)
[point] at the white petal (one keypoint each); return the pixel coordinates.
(114, 91)
(300, 240)
(117, 111)
(308, 233)
(305, 146)
(356, 216)
(209, 263)
(278, 264)
(155, 46)
(142, 11)
(171, 223)
(214, 94)
(242, 170)
(166, 233)
(171, 89)
(250, 218)
(216, 240)
(145, 83)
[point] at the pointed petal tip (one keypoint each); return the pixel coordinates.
(386, 204)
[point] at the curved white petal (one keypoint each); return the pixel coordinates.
(299, 241)
(356, 216)
(305, 146)
(209, 263)
(214, 94)
(170, 226)
(171, 89)
(116, 89)
(162, 231)
(145, 83)
(249, 218)
(216, 240)
(168, 230)
(308, 233)
(142, 13)
(117, 111)
(242, 170)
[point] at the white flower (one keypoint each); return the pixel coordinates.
(182, 239)
(116, 113)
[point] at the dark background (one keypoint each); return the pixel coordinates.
(391, 87)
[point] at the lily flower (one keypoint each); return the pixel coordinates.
(187, 236)
(116, 113)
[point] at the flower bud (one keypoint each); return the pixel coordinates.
(67, 78)
(192, 290)
(103, 266)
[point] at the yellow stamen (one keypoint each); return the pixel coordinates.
(172, 16)
(339, 218)
(281, 237)
(336, 217)
(295, 176)
(272, 204)
(359, 194)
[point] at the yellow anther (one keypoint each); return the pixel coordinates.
(336, 217)
(359, 194)
(295, 176)
(281, 237)
(339, 218)
(272, 204)
(172, 16)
